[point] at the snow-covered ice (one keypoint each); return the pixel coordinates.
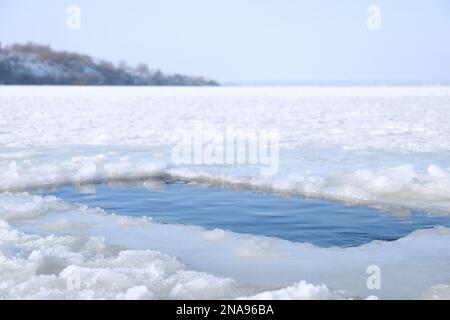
(400, 118)
(387, 147)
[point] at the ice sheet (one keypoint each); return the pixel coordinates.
(387, 147)
(399, 118)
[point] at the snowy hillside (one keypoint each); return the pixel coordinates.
(36, 64)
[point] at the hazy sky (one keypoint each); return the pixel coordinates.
(247, 40)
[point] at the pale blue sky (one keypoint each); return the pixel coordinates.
(248, 40)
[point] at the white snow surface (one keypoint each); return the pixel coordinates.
(400, 118)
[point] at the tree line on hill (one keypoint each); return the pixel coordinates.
(34, 64)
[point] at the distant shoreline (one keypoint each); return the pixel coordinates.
(334, 84)
(34, 64)
(237, 85)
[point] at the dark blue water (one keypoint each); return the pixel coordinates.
(322, 223)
